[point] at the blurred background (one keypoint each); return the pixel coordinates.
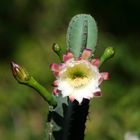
(28, 28)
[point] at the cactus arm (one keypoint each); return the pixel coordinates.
(42, 91)
(81, 33)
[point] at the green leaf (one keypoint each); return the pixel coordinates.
(81, 33)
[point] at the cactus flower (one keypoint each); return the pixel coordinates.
(78, 78)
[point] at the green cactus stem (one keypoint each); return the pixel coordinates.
(81, 34)
(42, 91)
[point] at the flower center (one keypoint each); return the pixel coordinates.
(78, 74)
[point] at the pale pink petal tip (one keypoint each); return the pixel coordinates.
(55, 83)
(55, 91)
(56, 74)
(71, 97)
(54, 67)
(105, 75)
(67, 56)
(86, 54)
(95, 62)
(62, 66)
(97, 94)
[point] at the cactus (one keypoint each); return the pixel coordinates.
(77, 81)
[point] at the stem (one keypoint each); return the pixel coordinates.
(57, 49)
(108, 53)
(78, 120)
(67, 120)
(42, 91)
(22, 76)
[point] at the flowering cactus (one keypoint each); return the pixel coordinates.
(77, 80)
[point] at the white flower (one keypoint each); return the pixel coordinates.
(79, 78)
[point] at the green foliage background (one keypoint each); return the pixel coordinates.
(27, 31)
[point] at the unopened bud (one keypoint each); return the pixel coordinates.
(20, 74)
(57, 49)
(108, 53)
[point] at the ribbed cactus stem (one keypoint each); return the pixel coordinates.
(67, 120)
(77, 124)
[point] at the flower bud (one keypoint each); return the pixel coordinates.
(20, 74)
(108, 53)
(57, 49)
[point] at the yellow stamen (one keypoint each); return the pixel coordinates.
(79, 82)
